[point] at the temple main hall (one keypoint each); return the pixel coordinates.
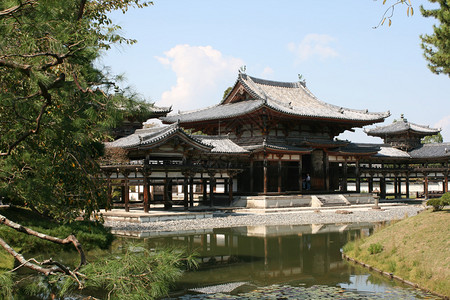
(269, 138)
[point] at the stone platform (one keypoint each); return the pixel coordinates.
(319, 200)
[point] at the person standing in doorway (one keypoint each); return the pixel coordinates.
(308, 182)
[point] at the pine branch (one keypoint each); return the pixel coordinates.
(26, 69)
(47, 96)
(14, 9)
(71, 239)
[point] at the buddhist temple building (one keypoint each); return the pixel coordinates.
(288, 132)
(269, 138)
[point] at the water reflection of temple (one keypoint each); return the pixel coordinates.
(267, 254)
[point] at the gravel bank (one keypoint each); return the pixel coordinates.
(222, 220)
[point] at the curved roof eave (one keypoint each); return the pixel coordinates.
(378, 117)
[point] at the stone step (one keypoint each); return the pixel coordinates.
(333, 200)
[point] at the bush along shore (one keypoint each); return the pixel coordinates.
(415, 250)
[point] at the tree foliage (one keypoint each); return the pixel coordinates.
(136, 273)
(437, 46)
(226, 92)
(55, 104)
(432, 139)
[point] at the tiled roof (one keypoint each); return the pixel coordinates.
(325, 143)
(292, 98)
(387, 151)
(438, 150)
(148, 136)
(359, 148)
(401, 126)
(217, 111)
(221, 144)
(163, 109)
(264, 146)
(296, 99)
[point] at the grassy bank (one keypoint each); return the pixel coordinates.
(416, 249)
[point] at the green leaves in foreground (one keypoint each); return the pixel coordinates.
(137, 273)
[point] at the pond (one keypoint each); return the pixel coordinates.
(279, 262)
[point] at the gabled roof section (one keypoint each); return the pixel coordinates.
(290, 98)
(221, 144)
(150, 137)
(222, 111)
(402, 126)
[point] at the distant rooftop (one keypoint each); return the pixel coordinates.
(402, 126)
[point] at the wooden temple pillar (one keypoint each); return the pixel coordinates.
(204, 190)
(230, 187)
(265, 166)
(126, 192)
(358, 177)
(399, 182)
(395, 186)
(326, 172)
(146, 191)
(300, 174)
(109, 192)
(279, 174)
(344, 176)
(186, 191)
(152, 192)
(425, 186)
(370, 188)
(167, 194)
(445, 183)
(407, 185)
(225, 185)
(252, 182)
(212, 183)
(265, 162)
(191, 191)
(383, 186)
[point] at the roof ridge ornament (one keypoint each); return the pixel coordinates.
(301, 80)
(242, 69)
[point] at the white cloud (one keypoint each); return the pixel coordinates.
(202, 72)
(313, 46)
(267, 72)
(444, 124)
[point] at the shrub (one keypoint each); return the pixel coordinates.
(439, 203)
(436, 203)
(375, 248)
(445, 199)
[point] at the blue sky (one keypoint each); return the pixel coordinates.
(189, 52)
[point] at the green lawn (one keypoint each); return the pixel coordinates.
(416, 249)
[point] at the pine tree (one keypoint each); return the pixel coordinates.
(437, 46)
(55, 105)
